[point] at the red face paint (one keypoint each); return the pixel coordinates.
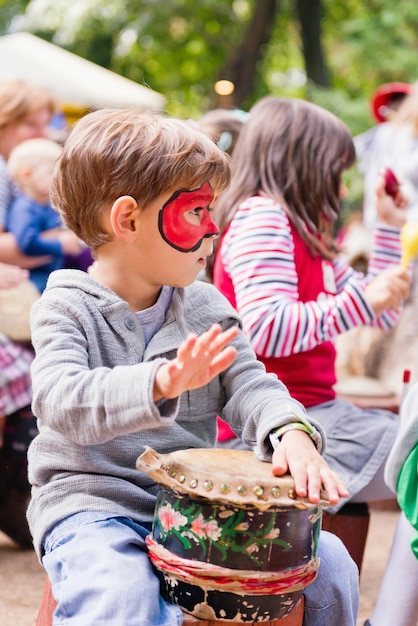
(176, 229)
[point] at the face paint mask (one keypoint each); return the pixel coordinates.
(176, 230)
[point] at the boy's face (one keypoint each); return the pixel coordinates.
(185, 219)
(177, 235)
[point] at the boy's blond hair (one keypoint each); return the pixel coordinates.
(18, 98)
(115, 152)
(30, 153)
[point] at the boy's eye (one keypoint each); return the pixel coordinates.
(200, 209)
(196, 211)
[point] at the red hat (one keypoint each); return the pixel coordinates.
(383, 94)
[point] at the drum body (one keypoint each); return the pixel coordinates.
(229, 540)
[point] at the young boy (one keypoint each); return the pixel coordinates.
(31, 215)
(138, 353)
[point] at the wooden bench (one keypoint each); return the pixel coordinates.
(46, 610)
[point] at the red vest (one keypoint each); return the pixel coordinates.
(309, 376)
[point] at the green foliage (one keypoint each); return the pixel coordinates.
(178, 47)
(9, 11)
(371, 42)
(174, 46)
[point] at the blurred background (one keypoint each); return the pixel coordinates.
(202, 54)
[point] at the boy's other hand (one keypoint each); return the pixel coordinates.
(298, 456)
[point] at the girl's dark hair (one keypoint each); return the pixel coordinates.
(294, 152)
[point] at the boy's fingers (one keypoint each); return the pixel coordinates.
(280, 465)
(223, 360)
(300, 477)
(214, 340)
(224, 339)
(334, 486)
(204, 341)
(187, 346)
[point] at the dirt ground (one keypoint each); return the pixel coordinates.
(22, 577)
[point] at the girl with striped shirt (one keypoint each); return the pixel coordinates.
(278, 263)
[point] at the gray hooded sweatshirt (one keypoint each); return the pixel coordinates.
(93, 381)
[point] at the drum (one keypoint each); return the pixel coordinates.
(229, 540)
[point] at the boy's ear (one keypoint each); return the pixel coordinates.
(123, 217)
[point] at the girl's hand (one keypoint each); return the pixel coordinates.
(199, 359)
(298, 456)
(388, 290)
(390, 210)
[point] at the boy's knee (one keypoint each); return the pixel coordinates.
(335, 557)
(333, 597)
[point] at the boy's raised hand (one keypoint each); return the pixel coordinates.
(298, 456)
(199, 359)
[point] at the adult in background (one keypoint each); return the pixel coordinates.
(25, 113)
(392, 143)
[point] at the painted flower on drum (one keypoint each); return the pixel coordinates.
(252, 548)
(235, 532)
(170, 518)
(200, 528)
(212, 530)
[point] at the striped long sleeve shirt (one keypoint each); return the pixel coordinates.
(258, 254)
(260, 257)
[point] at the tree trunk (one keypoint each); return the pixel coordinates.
(309, 14)
(241, 66)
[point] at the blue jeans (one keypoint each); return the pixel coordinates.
(101, 574)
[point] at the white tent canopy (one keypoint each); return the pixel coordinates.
(73, 80)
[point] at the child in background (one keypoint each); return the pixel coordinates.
(31, 215)
(137, 352)
(278, 264)
(392, 143)
(223, 126)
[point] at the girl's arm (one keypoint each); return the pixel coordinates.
(259, 255)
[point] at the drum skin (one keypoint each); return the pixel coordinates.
(242, 553)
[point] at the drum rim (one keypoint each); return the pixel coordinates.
(262, 491)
